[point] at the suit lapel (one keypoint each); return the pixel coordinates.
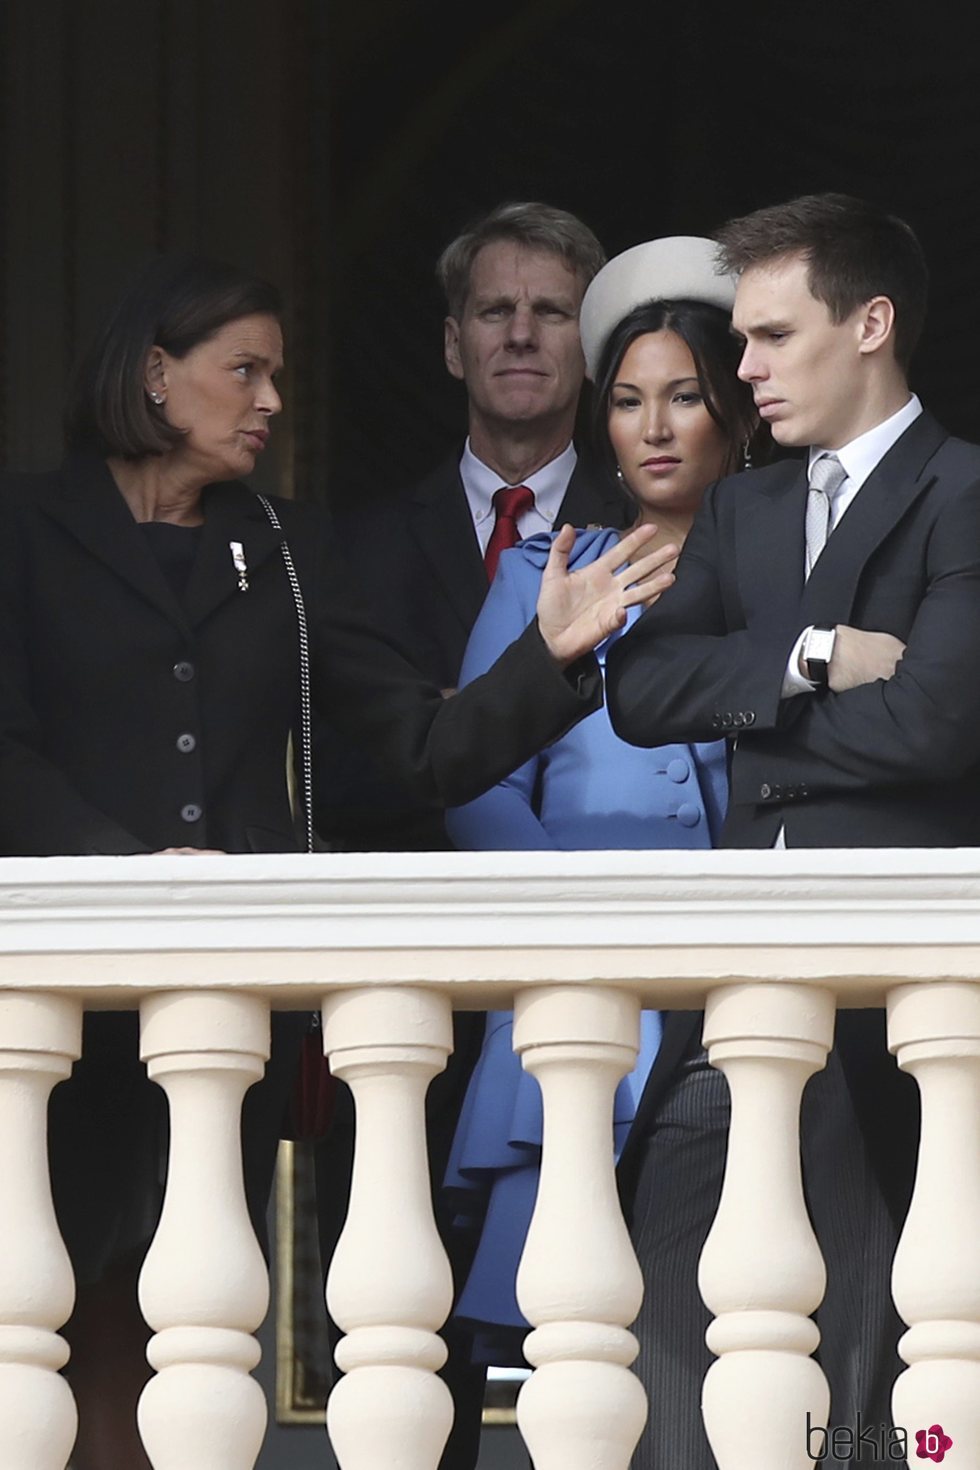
(769, 541)
(892, 487)
(439, 520)
(231, 514)
(86, 501)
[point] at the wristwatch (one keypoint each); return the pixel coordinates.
(817, 651)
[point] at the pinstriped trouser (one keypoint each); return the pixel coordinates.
(675, 1203)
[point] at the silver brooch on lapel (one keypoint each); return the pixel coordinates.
(238, 561)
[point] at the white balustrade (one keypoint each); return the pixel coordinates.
(579, 1284)
(761, 1270)
(204, 1288)
(40, 1036)
(935, 1032)
(390, 1286)
(387, 944)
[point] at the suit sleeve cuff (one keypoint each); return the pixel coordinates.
(793, 681)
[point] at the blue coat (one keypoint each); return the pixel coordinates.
(587, 790)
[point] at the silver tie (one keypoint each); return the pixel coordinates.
(827, 475)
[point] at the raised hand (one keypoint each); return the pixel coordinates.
(577, 610)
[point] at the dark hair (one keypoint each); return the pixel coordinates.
(706, 331)
(854, 251)
(536, 226)
(176, 302)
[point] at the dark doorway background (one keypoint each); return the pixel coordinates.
(338, 146)
(645, 119)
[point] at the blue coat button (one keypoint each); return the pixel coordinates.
(688, 814)
(678, 770)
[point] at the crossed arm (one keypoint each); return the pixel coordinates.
(893, 712)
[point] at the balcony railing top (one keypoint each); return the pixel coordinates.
(292, 926)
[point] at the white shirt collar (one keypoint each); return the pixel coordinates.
(866, 452)
(548, 483)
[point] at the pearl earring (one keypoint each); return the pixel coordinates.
(157, 397)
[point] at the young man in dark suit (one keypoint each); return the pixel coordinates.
(825, 619)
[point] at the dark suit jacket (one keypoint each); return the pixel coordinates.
(895, 763)
(419, 562)
(102, 669)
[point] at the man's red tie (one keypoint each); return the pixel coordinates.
(509, 503)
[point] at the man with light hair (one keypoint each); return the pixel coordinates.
(513, 281)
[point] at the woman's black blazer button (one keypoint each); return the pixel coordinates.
(184, 671)
(191, 812)
(186, 743)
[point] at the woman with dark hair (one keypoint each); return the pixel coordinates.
(163, 633)
(670, 416)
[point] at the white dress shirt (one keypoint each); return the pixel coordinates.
(858, 459)
(549, 484)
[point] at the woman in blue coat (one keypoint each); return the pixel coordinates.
(670, 417)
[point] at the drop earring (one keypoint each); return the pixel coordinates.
(156, 397)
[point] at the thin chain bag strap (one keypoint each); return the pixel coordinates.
(306, 722)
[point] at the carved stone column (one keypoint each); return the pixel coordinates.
(579, 1283)
(204, 1287)
(390, 1285)
(761, 1270)
(935, 1032)
(40, 1037)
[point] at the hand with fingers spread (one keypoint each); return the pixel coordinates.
(577, 610)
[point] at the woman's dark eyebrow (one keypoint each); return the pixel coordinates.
(674, 383)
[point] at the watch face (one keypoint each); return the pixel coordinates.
(820, 644)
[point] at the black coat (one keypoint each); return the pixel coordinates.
(890, 764)
(129, 721)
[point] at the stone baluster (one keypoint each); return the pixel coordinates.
(579, 1283)
(40, 1036)
(935, 1032)
(761, 1270)
(204, 1287)
(390, 1284)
